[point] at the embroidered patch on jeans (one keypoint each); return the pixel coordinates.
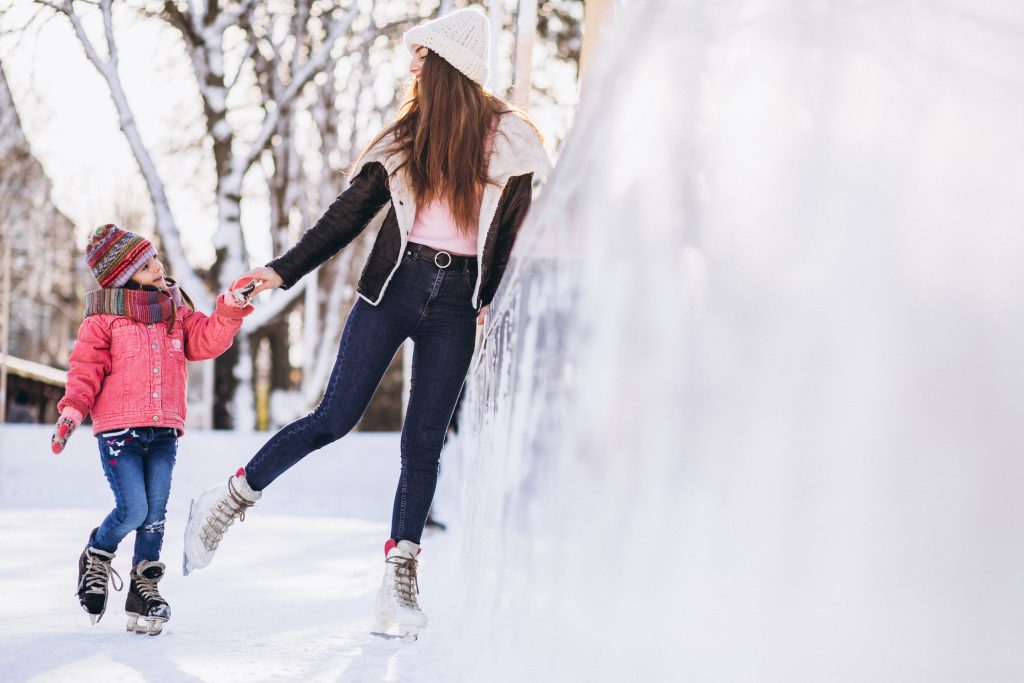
(155, 527)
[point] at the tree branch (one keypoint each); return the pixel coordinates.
(165, 225)
(311, 68)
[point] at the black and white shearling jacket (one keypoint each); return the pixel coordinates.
(380, 197)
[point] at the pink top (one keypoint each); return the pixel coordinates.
(435, 226)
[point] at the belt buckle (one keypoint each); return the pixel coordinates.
(442, 253)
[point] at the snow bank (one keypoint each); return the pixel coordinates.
(749, 409)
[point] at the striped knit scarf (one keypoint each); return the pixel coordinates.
(142, 305)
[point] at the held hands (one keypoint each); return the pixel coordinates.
(66, 425)
(240, 291)
(267, 277)
(252, 283)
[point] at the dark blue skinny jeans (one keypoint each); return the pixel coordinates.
(138, 463)
(425, 303)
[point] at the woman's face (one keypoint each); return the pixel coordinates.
(151, 274)
(419, 55)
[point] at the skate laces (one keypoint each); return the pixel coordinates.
(147, 588)
(98, 573)
(222, 516)
(406, 582)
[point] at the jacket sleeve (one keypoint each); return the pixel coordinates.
(518, 196)
(88, 365)
(346, 217)
(208, 336)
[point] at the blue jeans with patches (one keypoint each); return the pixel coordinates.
(433, 307)
(138, 463)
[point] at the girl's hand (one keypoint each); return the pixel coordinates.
(268, 279)
(480, 316)
(66, 426)
(241, 290)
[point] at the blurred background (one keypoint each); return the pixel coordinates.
(221, 131)
(747, 406)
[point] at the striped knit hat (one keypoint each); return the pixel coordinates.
(114, 254)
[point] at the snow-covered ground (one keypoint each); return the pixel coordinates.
(289, 597)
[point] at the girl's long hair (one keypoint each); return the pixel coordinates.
(441, 130)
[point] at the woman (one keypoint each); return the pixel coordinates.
(447, 186)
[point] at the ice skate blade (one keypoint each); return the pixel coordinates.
(411, 636)
(186, 566)
(389, 630)
(152, 626)
(95, 618)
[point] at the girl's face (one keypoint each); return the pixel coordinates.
(419, 55)
(151, 274)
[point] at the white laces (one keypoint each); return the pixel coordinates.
(406, 583)
(222, 516)
(98, 573)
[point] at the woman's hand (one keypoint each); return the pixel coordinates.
(268, 277)
(480, 316)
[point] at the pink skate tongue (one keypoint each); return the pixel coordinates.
(389, 545)
(240, 472)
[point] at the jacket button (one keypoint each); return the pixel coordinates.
(152, 346)
(156, 371)
(156, 394)
(150, 325)
(155, 418)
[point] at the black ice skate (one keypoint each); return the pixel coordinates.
(146, 608)
(94, 575)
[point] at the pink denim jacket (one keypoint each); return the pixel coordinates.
(132, 374)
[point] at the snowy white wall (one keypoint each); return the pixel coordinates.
(749, 407)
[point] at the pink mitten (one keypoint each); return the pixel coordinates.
(66, 426)
(241, 290)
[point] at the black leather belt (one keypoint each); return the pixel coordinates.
(441, 259)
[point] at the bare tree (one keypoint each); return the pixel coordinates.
(290, 92)
(283, 63)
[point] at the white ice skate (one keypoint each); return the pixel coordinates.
(211, 514)
(398, 614)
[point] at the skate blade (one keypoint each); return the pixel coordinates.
(186, 566)
(151, 626)
(392, 631)
(95, 618)
(410, 636)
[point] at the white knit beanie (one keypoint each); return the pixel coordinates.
(460, 37)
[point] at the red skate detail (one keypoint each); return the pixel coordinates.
(240, 472)
(388, 546)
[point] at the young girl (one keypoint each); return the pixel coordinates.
(447, 186)
(128, 370)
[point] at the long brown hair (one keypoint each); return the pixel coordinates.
(441, 128)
